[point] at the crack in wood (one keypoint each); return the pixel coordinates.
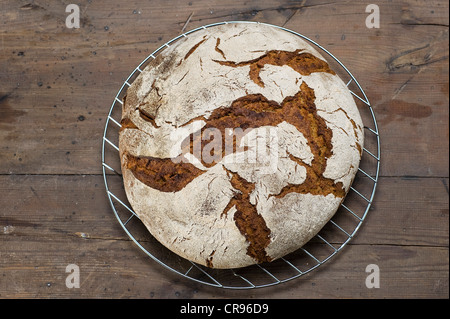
(421, 56)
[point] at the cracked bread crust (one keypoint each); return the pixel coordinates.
(225, 214)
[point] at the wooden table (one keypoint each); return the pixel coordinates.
(57, 85)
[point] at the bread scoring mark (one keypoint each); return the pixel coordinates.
(194, 48)
(355, 130)
(147, 117)
(127, 123)
(161, 173)
(218, 49)
(314, 183)
(304, 63)
(250, 224)
(209, 260)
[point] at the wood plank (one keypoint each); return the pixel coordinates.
(58, 84)
(36, 268)
(405, 211)
(48, 222)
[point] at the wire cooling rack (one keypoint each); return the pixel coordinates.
(327, 243)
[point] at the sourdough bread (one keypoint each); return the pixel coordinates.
(238, 144)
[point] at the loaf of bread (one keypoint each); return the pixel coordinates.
(238, 144)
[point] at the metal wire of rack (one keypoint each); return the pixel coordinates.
(327, 243)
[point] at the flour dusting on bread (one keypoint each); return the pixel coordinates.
(238, 144)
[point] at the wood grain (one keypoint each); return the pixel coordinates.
(37, 270)
(61, 81)
(57, 85)
(75, 226)
(69, 206)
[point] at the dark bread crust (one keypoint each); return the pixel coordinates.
(303, 63)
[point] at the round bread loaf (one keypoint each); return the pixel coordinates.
(238, 144)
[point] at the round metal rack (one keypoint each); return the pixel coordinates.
(326, 244)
